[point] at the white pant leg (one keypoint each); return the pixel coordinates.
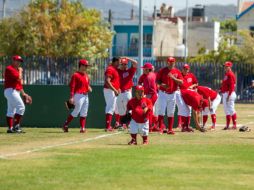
(229, 107)
(15, 103)
(84, 108)
(183, 109)
(110, 99)
(178, 98)
(161, 104)
(215, 104)
(206, 111)
(171, 104)
(121, 102)
(141, 128)
(79, 100)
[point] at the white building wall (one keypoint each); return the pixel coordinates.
(246, 21)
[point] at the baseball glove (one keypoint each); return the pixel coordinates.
(244, 129)
(27, 99)
(69, 105)
(126, 119)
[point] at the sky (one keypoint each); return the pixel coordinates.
(180, 4)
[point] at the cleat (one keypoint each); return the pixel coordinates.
(171, 132)
(189, 129)
(82, 130)
(212, 128)
(145, 143)
(226, 128)
(110, 129)
(234, 127)
(65, 129)
(202, 129)
(10, 130)
(17, 129)
(132, 142)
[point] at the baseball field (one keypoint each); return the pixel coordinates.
(47, 158)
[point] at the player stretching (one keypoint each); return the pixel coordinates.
(168, 79)
(228, 95)
(79, 88)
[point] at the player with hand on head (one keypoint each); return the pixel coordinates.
(140, 108)
(79, 89)
(228, 95)
(148, 80)
(168, 79)
(126, 76)
(13, 87)
(111, 91)
(214, 100)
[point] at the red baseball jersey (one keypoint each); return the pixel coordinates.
(149, 83)
(163, 77)
(207, 92)
(79, 83)
(126, 77)
(137, 107)
(188, 80)
(228, 83)
(193, 99)
(112, 73)
(11, 78)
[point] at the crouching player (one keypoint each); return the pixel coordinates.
(141, 108)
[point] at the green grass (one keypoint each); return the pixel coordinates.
(214, 160)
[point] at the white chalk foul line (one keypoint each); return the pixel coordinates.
(5, 156)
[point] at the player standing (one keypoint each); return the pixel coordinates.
(126, 82)
(13, 87)
(214, 100)
(141, 108)
(79, 89)
(111, 91)
(228, 95)
(168, 79)
(148, 80)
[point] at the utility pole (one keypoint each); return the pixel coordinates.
(186, 31)
(140, 53)
(4, 7)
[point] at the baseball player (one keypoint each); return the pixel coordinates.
(189, 82)
(79, 89)
(111, 91)
(126, 76)
(228, 95)
(13, 80)
(214, 100)
(140, 107)
(148, 80)
(168, 79)
(191, 99)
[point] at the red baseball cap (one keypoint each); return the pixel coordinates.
(228, 64)
(17, 58)
(171, 60)
(139, 87)
(186, 66)
(83, 62)
(124, 61)
(147, 66)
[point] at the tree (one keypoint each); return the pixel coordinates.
(45, 29)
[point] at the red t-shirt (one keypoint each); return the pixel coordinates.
(207, 92)
(188, 80)
(112, 73)
(163, 77)
(228, 83)
(149, 83)
(11, 78)
(193, 99)
(79, 83)
(137, 109)
(126, 77)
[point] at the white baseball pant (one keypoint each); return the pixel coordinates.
(15, 103)
(81, 102)
(121, 102)
(229, 107)
(183, 109)
(139, 128)
(110, 99)
(214, 105)
(165, 101)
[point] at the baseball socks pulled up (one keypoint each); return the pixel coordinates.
(67, 122)
(205, 117)
(179, 125)
(170, 126)
(133, 139)
(9, 122)
(118, 118)
(145, 140)
(228, 118)
(213, 117)
(108, 122)
(82, 121)
(234, 117)
(161, 123)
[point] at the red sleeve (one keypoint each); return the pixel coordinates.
(194, 79)
(132, 71)
(109, 73)
(141, 80)
(231, 84)
(72, 85)
(149, 104)
(180, 76)
(158, 76)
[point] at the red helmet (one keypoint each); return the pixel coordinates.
(228, 64)
(186, 66)
(83, 62)
(139, 87)
(17, 58)
(124, 61)
(171, 60)
(147, 66)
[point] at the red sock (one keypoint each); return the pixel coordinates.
(179, 120)
(205, 117)
(161, 122)
(9, 122)
(17, 119)
(185, 121)
(108, 120)
(213, 116)
(170, 123)
(145, 139)
(234, 119)
(150, 121)
(228, 117)
(189, 120)
(118, 118)
(134, 137)
(82, 121)
(69, 119)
